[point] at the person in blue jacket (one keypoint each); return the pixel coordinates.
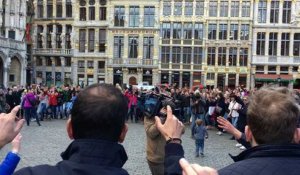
(12, 159)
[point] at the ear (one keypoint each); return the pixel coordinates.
(123, 133)
(249, 136)
(297, 136)
(70, 129)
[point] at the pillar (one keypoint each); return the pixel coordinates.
(237, 82)
(191, 79)
(5, 76)
(33, 63)
(180, 79)
(44, 69)
(63, 9)
(63, 36)
(53, 70)
(44, 37)
(74, 67)
(53, 37)
(63, 63)
(170, 77)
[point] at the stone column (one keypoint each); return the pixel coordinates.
(248, 81)
(5, 76)
(63, 63)
(180, 79)
(53, 70)
(44, 70)
(191, 79)
(267, 43)
(44, 37)
(237, 77)
(74, 67)
(226, 80)
(33, 63)
(53, 37)
(291, 44)
(170, 77)
(45, 9)
(216, 80)
(279, 43)
(54, 8)
(95, 71)
(63, 37)
(268, 10)
(63, 9)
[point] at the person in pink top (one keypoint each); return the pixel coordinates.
(132, 96)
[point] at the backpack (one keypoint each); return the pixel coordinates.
(33, 102)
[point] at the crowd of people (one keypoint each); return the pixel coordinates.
(265, 122)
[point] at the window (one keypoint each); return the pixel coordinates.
(187, 55)
(49, 9)
(58, 10)
(261, 42)
(165, 54)
(82, 14)
(91, 47)
(198, 55)
(243, 56)
(48, 61)
(82, 34)
(134, 16)
(11, 77)
(58, 38)
(119, 16)
(39, 61)
(102, 40)
(68, 62)
(213, 8)
(222, 56)
(148, 47)
(102, 13)
(212, 31)
(224, 9)
(286, 12)
(167, 9)
(90, 64)
(118, 46)
(101, 64)
(177, 8)
(222, 31)
(149, 12)
(262, 11)
(199, 8)
(285, 44)
(235, 8)
(246, 5)
(133, 47)
(40, 10)
(166, 30)
(92, 13)
(91, 2)
(232, 56)
(244, 32)
(210, 76)
(273, 44)
(176, 53)
(69, 9)
(274, 16)
(57, 61)
(198, 34)
(234, 30)
(188, 11)
(188, 31)
(49, 37)
(39, 36)
(211, 54)
(81, 64)
(177, 31)
(296, 44)
(11, 34)
(68, 36)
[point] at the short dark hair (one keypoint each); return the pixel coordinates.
(272, 116)
(99, 113)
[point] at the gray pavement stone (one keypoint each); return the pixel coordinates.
(43, 145)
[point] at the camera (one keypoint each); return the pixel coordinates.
(154, 103)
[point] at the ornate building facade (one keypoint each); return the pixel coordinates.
(276, 43)
(12, 46)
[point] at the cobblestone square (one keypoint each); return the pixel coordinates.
(43, 145)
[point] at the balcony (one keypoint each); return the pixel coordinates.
(278, 60)
(132, 62)
(53, 52)
(81, 70)
(101, 71)
(12, 44)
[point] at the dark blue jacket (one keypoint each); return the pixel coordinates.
(266, 160)
(88, 157)
(9, 164)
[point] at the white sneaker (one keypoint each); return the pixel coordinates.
(242, 148)
(238, 145)
(219, 133)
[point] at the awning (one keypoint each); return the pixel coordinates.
(273, 78)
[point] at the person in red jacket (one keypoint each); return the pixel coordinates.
(53, 103)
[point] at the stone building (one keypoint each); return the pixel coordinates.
(276, 43)
(12, 46)
(52, 42)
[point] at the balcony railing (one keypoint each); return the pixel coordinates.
(81, 70)
(132, 62)
(272, 59)
(276, 59)
(101, 71)
(55, 52)
(12, 44)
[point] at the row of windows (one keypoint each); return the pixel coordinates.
(57, 61)
(134, 16)
(58, 36)
(59, 10)
(184, 55)
(232, 53)
(274, 11)
(225, 31)
(90, 64)
(133, 45)
(273, 42)
(92, 13)
(273, 69)
(222, 9)
(90, 33)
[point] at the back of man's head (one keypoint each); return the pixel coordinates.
(99, 113)
(272, 116)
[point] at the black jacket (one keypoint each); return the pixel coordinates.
(266, 160)
(88, 157)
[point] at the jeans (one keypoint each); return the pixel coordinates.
(42, 110)
(199, 146)
(234, 121)
(131, 112)
(60, 110)
(68, 108)
(31, 113)
(194, 118)
(53, 112)
(187, 114)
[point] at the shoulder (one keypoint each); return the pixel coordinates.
(38, 170)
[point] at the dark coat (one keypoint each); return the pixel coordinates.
(88, 157)
(266, 160)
